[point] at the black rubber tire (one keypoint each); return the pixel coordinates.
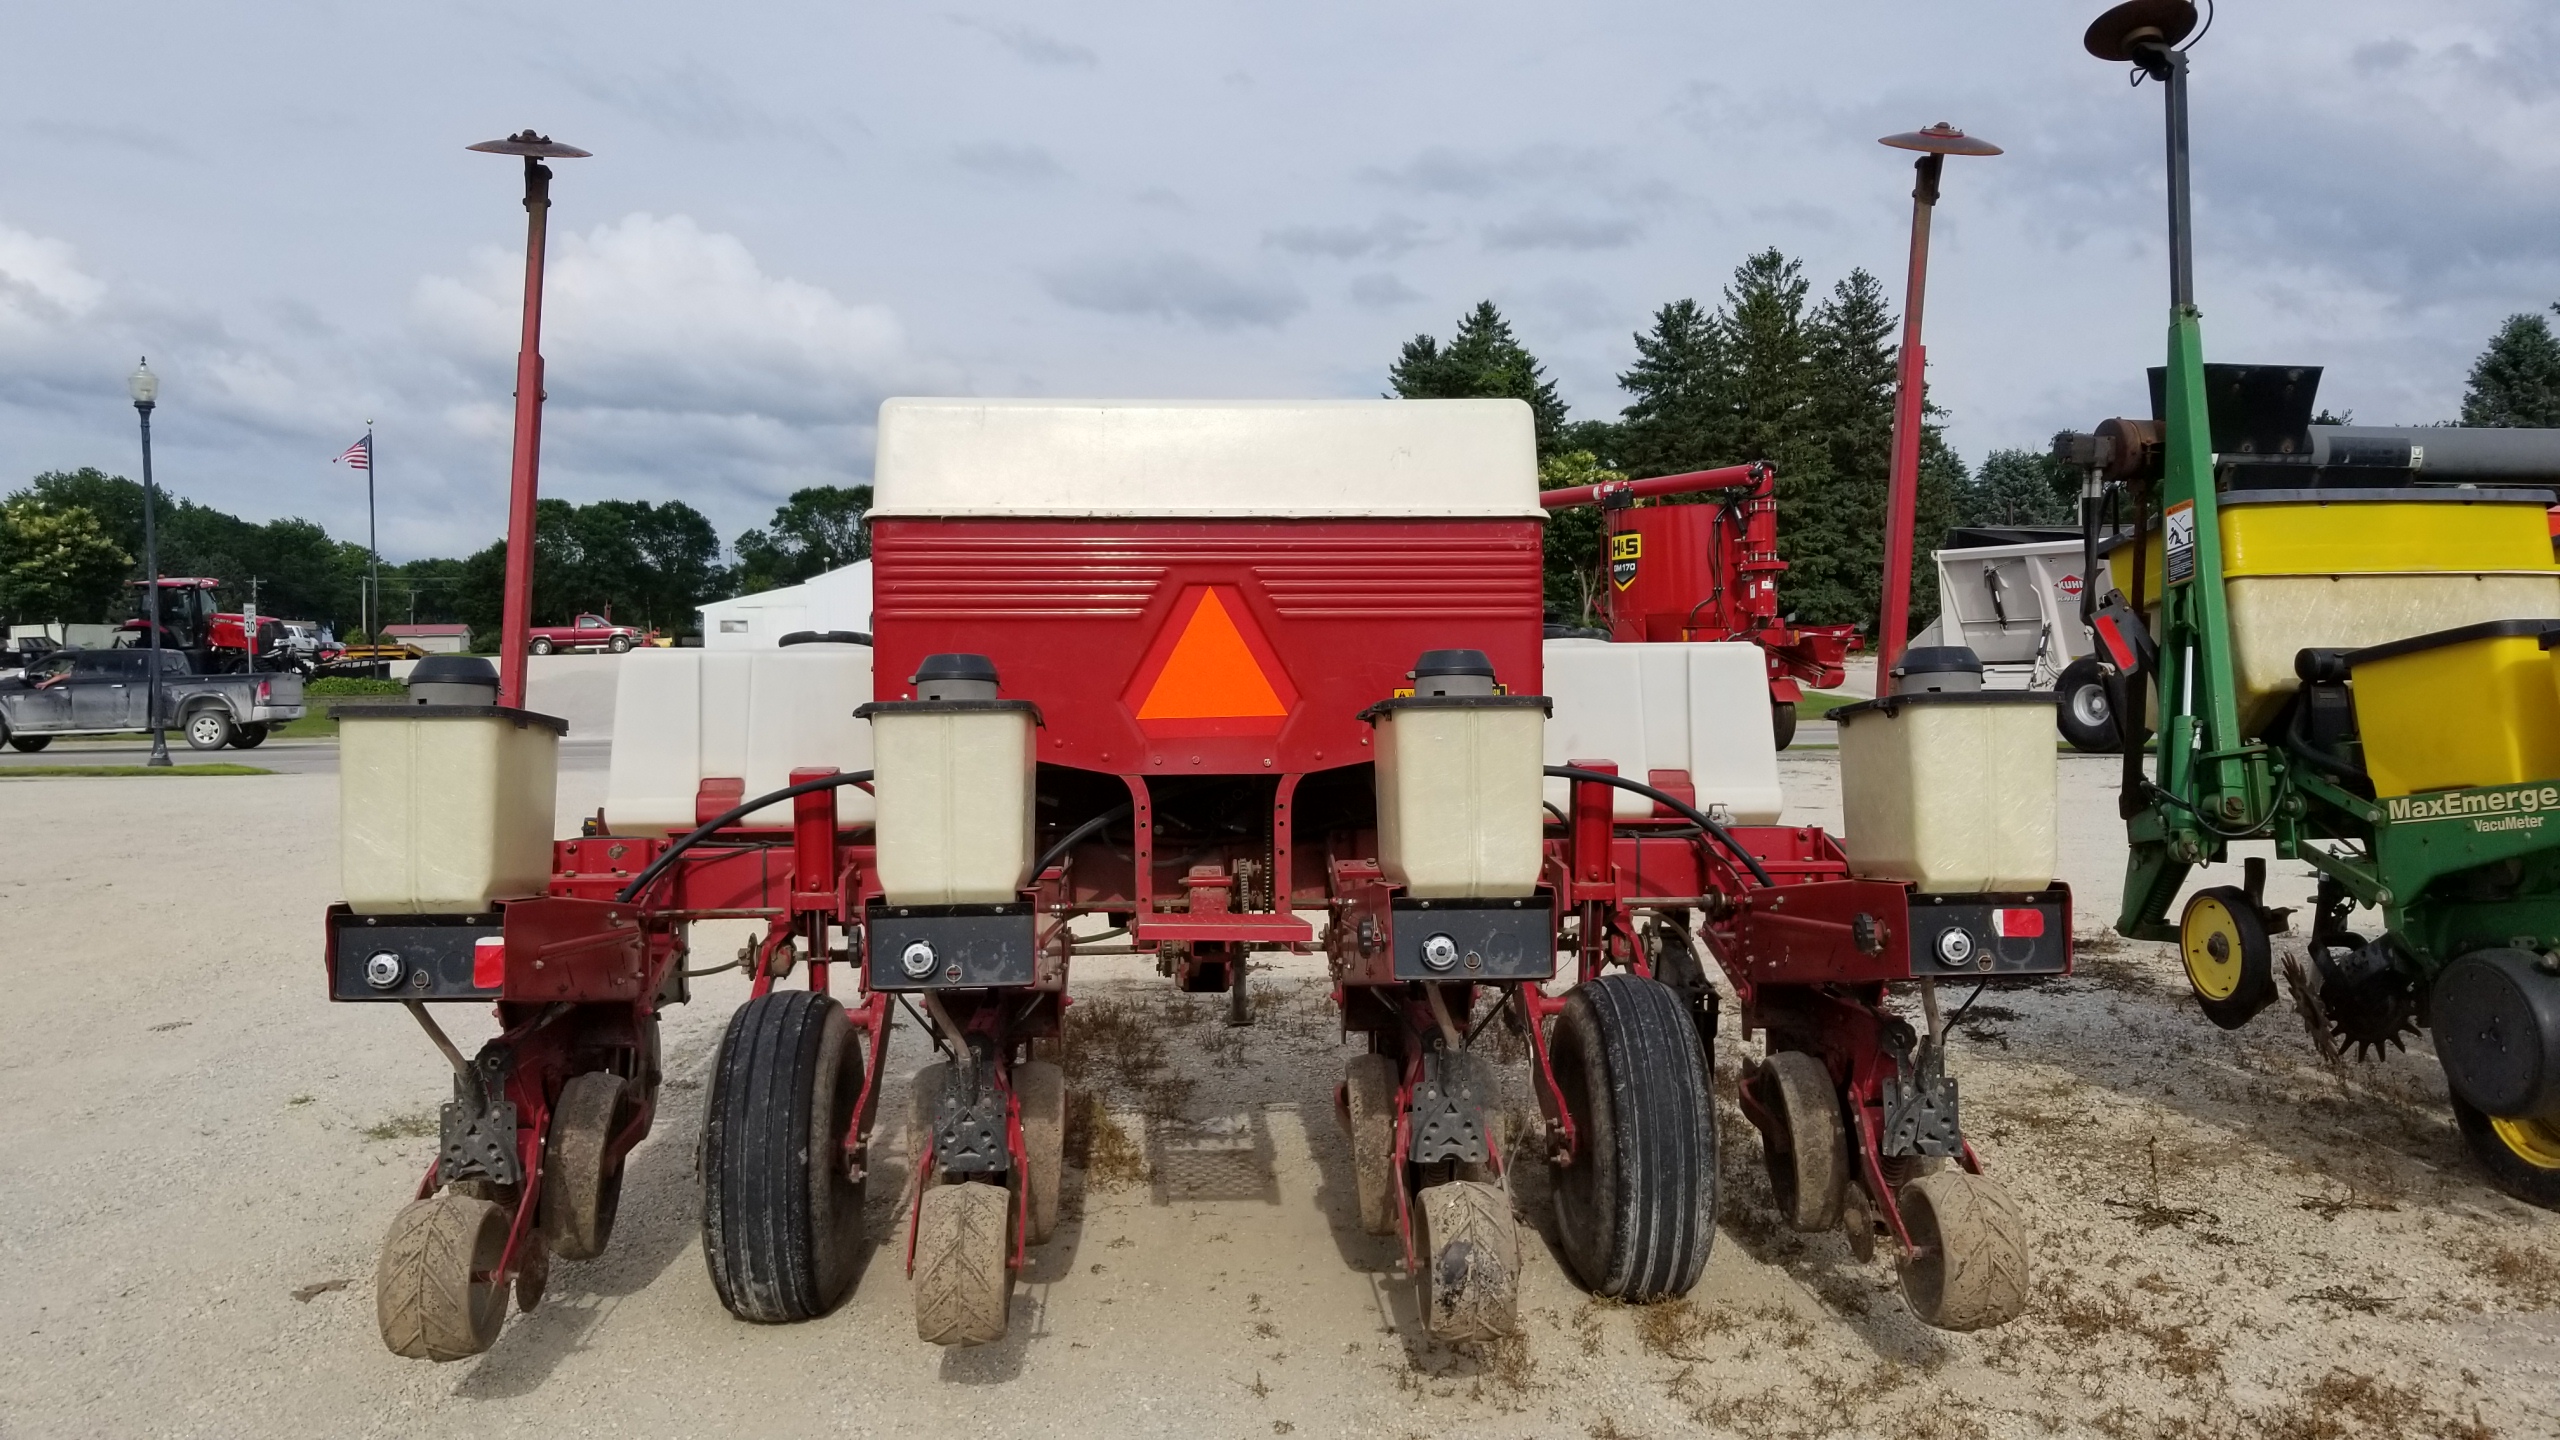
(1971, 1272)
(1471, 1271)
(581, 1186)
(618, 644)
(1369, 1088)
(2082, 710)
(1782, 722)
(538, 646)
(2517, 1175)
(1637, 1207)
(28, 744)
(248, 737)
(207, 728)
(425, 1299)
(781, 1222)
(1042, 1090)
(1806, 1148)
(2244, 975)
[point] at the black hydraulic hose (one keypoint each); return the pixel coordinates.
(1686, 811)
(1067, 841)
(727, 818)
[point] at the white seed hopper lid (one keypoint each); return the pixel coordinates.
(1248, 458)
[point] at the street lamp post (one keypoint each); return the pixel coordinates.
(1935, 143)
(517, 616)
(146, 394)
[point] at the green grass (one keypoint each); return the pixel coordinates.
(354, 685)
(1818, 703)
(314, 725)
(24, 772)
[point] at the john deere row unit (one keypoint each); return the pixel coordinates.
(1204, 680)
(2344, 655)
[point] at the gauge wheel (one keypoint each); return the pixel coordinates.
(209, 729)
(2084, 714)
(1803, 1143)
(1782, 722)
(2223, 941)
(2522, 1154)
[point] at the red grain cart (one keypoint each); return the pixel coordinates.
(1202, 680)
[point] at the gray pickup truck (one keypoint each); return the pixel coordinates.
(107, 692)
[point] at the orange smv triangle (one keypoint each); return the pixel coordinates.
(1210, 675)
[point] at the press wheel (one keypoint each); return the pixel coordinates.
(963, 1275)
(2223, 941)
(1970, 1269)
(1471, 1276)
(436, 1291)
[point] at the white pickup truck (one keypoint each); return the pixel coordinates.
(107, 692)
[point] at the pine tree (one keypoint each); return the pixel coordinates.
(2516, 381)
(1769, 386)
(1831, 500)
(1484, 360)
(2018, 487)
(1681, 419)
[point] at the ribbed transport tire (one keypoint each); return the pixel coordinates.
(963, 1285)
(1369, 1086)
(1471, 1283)
(781, 1223)
(1042, 1090)
(424, 1295)
(1971, 1272)
(581, 1189)
(1636, 1208)
(1806, 1148)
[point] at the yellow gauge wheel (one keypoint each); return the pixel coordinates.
(2535, 1142)
(2223, 942)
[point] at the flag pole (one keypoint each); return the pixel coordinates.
(372, 545)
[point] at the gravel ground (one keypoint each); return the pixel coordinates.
(202, 1154)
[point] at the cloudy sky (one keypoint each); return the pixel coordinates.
(797, 209)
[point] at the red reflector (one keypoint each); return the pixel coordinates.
(2010, 924)
(489, 962)
(2119, 654)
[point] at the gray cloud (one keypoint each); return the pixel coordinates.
(1175, 286)
(1031, 46)
(1383, 292)
(1441, 170)
(1002, 160)
(1557, 230)
(140, 140)
(1385, 237)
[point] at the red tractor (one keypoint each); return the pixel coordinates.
(215, 642)
(1710, 572)
(1198, 681)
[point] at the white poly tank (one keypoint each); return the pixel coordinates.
(444, 808)
(1459, 779)
(1700, 707)
(1952, 793)
(757, 715)
(953, 796)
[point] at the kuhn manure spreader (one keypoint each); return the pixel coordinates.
(1218, 679)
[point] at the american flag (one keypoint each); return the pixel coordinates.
(359, 456)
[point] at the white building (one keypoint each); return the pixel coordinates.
(836, 600)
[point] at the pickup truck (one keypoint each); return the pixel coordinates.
(107, 692)
(587, 632)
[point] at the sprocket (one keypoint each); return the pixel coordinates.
(2365, 998)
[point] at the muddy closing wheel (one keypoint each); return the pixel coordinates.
(436, 1293)
(1369, 1087)
(1971, 1269)
(1803, 1142)
(1042, 1090)
(963, 1283)
(781, 1219)
(2223, 941)
(581, 1187)
(1471, 1265)
(1636, 1208)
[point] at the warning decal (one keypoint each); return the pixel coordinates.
(2180, 527)
(1625, 549)
(1211, 672)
